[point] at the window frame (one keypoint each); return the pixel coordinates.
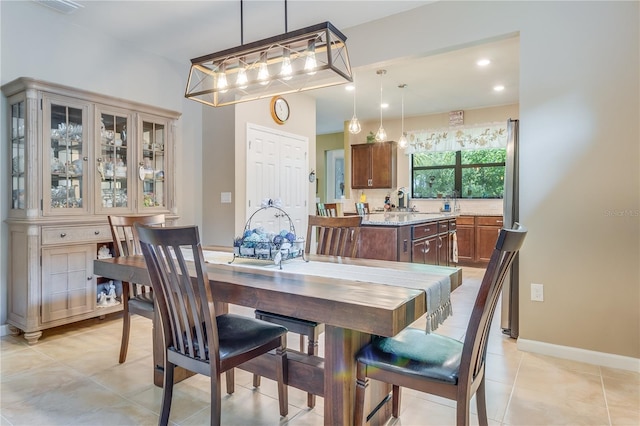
(457, 167)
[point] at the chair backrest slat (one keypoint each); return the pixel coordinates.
(336, 236)
(185, 303)
(327, 209)
(362, 208)
(475, 342)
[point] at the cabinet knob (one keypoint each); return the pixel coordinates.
(89, 278)
(99, 160)
(85, 158)
(62, 235)
(96, 232)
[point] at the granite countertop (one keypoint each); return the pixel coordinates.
(412, 218)
(403, 218)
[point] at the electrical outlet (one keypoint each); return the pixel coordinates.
(537, 292)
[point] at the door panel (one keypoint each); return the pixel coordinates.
(277, 169)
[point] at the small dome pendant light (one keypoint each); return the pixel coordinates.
(381, 134)
(402, 142)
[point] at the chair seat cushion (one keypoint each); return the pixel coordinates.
(142, 303)
(413, 352)
(238, 334)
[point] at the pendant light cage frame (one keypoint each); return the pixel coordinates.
(322, 42)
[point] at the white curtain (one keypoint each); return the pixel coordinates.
(477, 136)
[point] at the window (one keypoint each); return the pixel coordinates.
(469, 174)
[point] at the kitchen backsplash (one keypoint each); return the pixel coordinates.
(375, 198)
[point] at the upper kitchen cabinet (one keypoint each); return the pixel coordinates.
(373, 165)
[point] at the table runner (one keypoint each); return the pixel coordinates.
(436, 286)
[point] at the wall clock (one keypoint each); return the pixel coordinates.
(279, 109)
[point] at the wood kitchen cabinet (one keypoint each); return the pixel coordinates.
(431, 242)
(373, 165)
(477, 237)
(75, 157)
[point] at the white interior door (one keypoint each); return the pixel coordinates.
(277, 169)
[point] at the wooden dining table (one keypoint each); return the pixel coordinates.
(352, 309)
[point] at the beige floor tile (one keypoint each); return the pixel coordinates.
(622, 393)
(538, 407)
(624, 416)
(559, 383)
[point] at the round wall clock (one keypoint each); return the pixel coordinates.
(279, 109)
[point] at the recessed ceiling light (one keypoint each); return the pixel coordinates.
(498, 88)
(350, 87)
(483, 62)
(384, 105)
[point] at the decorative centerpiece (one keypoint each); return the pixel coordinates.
(258, 243)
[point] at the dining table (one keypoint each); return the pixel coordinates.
(356, 299)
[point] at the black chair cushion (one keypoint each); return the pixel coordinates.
(238, 334)
(412, 352)
(142, 303)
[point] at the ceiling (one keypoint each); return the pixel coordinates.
(181, 30)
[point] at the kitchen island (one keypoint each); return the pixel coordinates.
(408, 237)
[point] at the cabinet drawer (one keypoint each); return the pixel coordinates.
(465, 220)
(74, 234)
(443, 227)
(424, 230)
(489, 221)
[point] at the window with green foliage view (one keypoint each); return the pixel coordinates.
(467, 174)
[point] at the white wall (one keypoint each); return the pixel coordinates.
(580, 193)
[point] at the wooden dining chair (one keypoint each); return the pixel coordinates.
(327, 209)
(436, 364)
(337, 236)
(362, 208)
(194, 337)
(136, 299)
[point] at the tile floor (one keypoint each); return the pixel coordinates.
(72, 377)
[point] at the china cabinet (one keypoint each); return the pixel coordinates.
(76, 157)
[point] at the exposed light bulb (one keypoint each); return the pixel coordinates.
(286, 70)
(354, 125)
(403, 142)
(263, 70)
(242, 80)
(381, 134)
(222, 79)
(310, 63)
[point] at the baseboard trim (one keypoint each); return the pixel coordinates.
(581, 355)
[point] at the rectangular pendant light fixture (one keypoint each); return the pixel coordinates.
(305, 59)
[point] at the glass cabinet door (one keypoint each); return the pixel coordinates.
(16, 133)
(65, 162)
(153, 166)
(114, 162)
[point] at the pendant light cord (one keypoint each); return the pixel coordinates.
(241, 23)
(286, 30)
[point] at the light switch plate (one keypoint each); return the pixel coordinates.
(537, 292)
(225, 197)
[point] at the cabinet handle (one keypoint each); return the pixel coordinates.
(427, 246)
(62, 235)
(99, 160)
(405, 244)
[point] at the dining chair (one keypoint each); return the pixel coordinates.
(136, 299)
(439, 365)
(194, 337)
(337, 236)
(327, 209)
(362, 208)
